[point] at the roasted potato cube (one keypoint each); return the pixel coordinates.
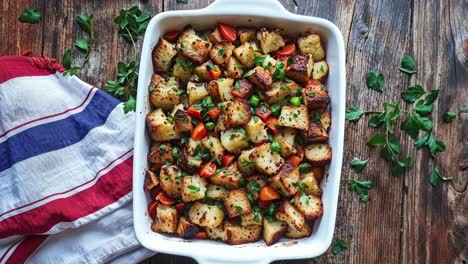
(159, 128)
(325, 120)
(320, 70)
(310, 44)
(288, 213)
(166, 219)
(273, 231)
(300, 68)
(237, 203)
(318, 154)
(216, 233)
(260, 77)
(192, 46)
(206, 215)
(285, 180)
(312, 185)
(193, 147)
(163, 54)
(182, 121)
(253, 218)
(151, 180)
(286, 140)
(236, 234)
(309, 205)
(182, 69)
(267, 161)
(245, 164)
(215, 146)
(315, 133)
(215, 36)
(221, 52)
(246, 34)
(160, 155)
(186, 229)
(315, 95)
(193, 188)
(203, 71)
(221, 89)
(234, 140)
(228, 177)
(196, 91)
(254, 184)
(235, 113)
(270, 40)
(295, 233)
(216, 192)
(234, 69)
(170, 179)
(246, 54)
(165, 93)
(295, 117)
(280, 90)
(256, 130)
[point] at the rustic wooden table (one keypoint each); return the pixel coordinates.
(407, 220)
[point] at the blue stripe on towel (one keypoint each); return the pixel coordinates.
(58, 134)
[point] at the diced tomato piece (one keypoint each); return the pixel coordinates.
(227, 159)
(214, 113)
(262, 114)
(208, 170)
(180, 207)
(201, 235)
(227, 32)
(268, 193)
(152, 209)
(264, 204)
(299, 151)
(199, 132)
(163, 198)
(294, 160)
(171, 36)
(215, 73)
(287, 51)
(195, 113)
(272, 123)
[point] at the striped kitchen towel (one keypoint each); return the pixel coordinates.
(65, 169)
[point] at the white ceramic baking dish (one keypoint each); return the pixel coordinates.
(255, 13)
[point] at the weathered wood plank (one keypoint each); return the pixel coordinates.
(109, 48)
(17, 37)
(380, 34)
(435, 220)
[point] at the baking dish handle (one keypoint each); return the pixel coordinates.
(202, 260)
(261, 6)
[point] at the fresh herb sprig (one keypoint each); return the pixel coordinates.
(86, 23)
(362, 188)
(416, 120)
(339, 246)
(132, 23)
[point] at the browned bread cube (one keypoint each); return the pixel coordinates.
(288, 213)
(166, 219)
(318, 154)
(151, 180)
(192, 46)
(309, 205)
(186, 229)
(315, 95)
(236, 234)
(206, 215)
(260, 77)
(273, 231)
(300, 68)
(163, 54)
(237, 203)
(165, 94)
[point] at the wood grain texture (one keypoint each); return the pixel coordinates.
(407, 220)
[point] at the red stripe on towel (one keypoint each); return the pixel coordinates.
(25, 249)
(109, 188)
(20, 66)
